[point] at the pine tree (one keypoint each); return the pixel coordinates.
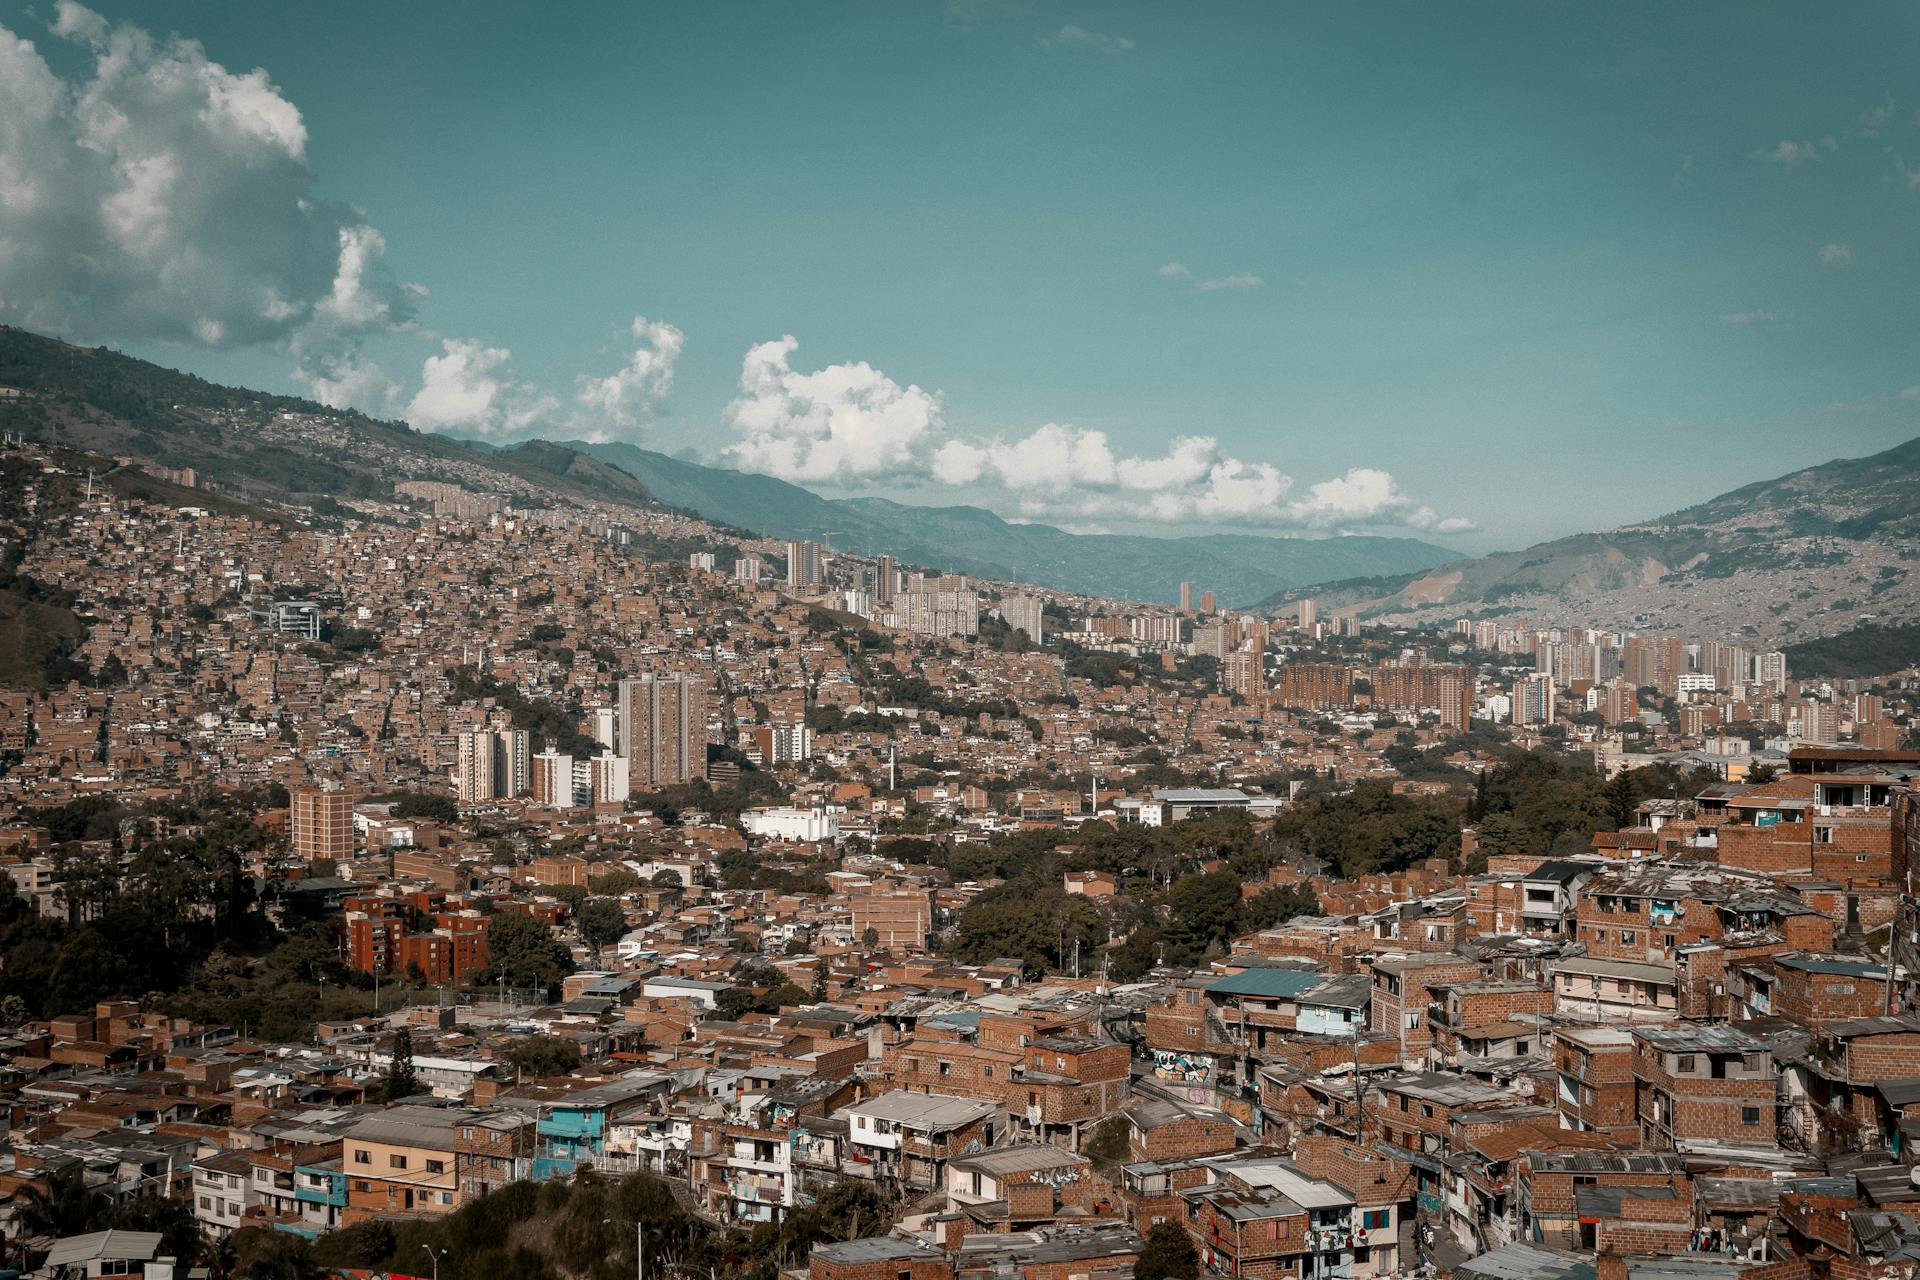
(401, 1080)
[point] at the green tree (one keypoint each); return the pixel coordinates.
(1040, 925)
(1502, 833)
(1279, 905)
(401, 1081)
(1204, 913)
(522, 952)
(601, 921)
(1168, 1255)
(541, 1056)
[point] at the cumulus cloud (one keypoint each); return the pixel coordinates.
(470, 387)
(1072, 37)
(155, 195)
(1790, 154)
(842, 423)
(351, 381)
(1833, 254)
(614, 405)
(158, 195)
(853, 423)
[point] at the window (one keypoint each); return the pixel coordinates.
(466, 1135)
(1823, 835)
(1685, 1062)
(359, 1185)
(1426, 1109)
(362, 1156)
(206, 1202)
(946, 1068)
(986, 1071)
(396, 1162)
(436, 1166)
(1374, 1219)
(1749, 1115)
(1626, 937)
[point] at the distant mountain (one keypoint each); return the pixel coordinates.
(255, 447)
(107, 403)
(1240, 568)
(1814, 553)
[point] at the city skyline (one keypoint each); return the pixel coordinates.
(1305, 273)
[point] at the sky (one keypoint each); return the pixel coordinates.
(1483, 274)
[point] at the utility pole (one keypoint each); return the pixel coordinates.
(1359, 1093)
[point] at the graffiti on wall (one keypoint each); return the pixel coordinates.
(1171, 1064)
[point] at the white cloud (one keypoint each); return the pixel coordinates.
(851, 422)
(153, 194)
(1790, 154)
(158, 195)
(1835, 255)
(1910, 393)
(1910, 178)
(1072, 37)
(1178, 272)
(469, 387)
(614, 405)
(1751, 319)
(1188, 459)
(1875, 119)
(351, 381)
(842, 423)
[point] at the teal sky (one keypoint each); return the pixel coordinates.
(1549, 265)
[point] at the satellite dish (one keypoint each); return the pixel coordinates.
(1914, 1175)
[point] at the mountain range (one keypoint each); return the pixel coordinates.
(961, 539)
(111, 404)
(1814, 553)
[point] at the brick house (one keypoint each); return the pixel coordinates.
(877, 1258)
(1835, 1098)
(910, 1137)
(1712, 1084)
(1547, 1186)
(1594, 1087)
(1414, 1112)
(1161, 1130)
(1403, 993)
(1812, 989)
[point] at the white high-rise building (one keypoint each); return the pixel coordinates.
(552, 783)
(1025, 613)
(611, 779)
(473, 767)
